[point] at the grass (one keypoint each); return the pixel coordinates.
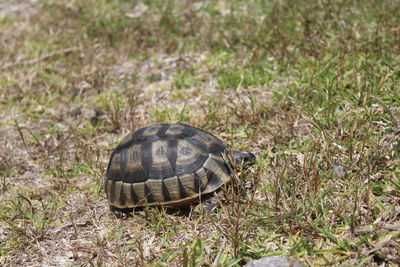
(312, 87)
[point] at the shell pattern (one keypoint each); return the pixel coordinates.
(166, 164)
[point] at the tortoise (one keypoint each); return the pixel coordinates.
(169, 165)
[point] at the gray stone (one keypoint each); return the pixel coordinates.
(275, 261)
(339, 170)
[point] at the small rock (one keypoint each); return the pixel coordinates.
(275, 261)
(339, 170)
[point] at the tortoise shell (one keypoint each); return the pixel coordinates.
(166, 164)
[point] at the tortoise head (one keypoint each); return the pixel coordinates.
(244, 158)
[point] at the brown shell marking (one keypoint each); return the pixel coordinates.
(168, 164)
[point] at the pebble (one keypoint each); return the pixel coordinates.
(339, 170)
(275, 261)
